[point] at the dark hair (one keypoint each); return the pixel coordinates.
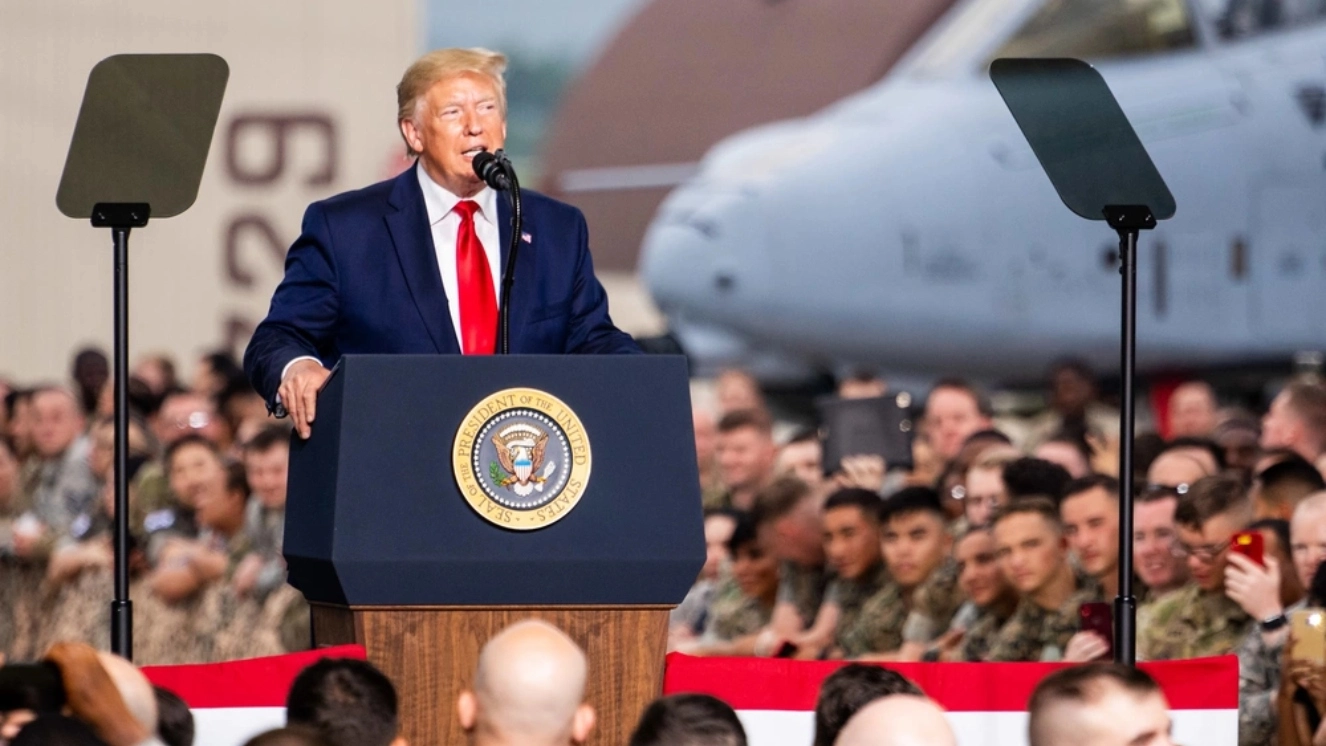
(849, 689)
(804, 435)
(740, 418)
(1035, 476)
(1317, 588)
(269, 437)
(990, 434)
(1091, 482)
(56, 730)
(743, 533)
(1034, 505)
(348, 702)
(1082, 684)
(778, 498)
(1277, 526)
(224, 364)
(1198, 444)
(688, 720)
(869, 503)
(1292, 469)
(957, 384)
(32, 686)
(288, 736)
(912, 500)
(189, 439)
(1209, 497)
(237, 480)
(174, 720)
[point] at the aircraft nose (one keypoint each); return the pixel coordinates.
(700, 257)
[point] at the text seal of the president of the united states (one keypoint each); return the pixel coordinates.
(521, 459)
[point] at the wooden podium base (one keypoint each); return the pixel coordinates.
(430, 654)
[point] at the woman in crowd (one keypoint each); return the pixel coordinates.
(744, 599)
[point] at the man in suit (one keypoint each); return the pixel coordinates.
(412, 265)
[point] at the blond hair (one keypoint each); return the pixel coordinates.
(996, 457)
(440, 64)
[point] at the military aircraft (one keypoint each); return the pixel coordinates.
(910, 228)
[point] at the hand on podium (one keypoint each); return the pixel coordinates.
(299, 393)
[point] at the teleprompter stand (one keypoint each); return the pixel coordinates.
(1101, 171)
(138, 150)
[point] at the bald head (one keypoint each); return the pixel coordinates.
(134, 689)
(529, 689)
(898, 720)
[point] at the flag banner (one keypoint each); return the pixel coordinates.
(986, 702)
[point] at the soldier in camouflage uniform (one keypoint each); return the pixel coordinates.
(852, 548)
(1199, 619)
(787, 519)
(1029, 541)
(872, 611)
(990, 600)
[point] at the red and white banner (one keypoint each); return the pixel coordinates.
(986, 702)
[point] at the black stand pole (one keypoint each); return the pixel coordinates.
(509, 272)
(121, 218)
(1128, 221)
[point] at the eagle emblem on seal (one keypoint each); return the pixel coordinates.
(520, 465)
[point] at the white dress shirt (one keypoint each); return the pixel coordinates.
(445, 225)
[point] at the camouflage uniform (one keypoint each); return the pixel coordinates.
(1035, 633)
(803, 587)
(733, 614)
(1259, 678)
(1192, 623)
(981, 635)
(265, 528)
(873, 610)
(934, 603)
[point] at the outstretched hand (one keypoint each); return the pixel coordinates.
(299, 393)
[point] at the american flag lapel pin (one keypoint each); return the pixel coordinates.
(526, 237)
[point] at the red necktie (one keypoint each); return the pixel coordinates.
(478, 305)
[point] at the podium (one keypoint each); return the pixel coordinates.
(442, 498)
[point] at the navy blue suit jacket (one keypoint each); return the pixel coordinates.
(363, 278)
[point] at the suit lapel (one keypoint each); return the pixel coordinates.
(413, 240)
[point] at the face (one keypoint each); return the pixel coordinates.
(456, 119)
(951, 415)
(1030, 551)
(1178, 467)
(1192, 412)
(717, 530)
(745, 458)
(755, 569)
(978, 572)
(1091, 523)
(196, 471)
(914, 545)
(218, 507)
(188, 413)
(267, 472)
(985, 493)
(1154, 541)
(1207, 550)
(1307, 538)
(56, 422)
(1117, 718)
(1281, 428)
(1241, 448)
(803, 461)
(1065, 455)
(851, 541)
(153, 373)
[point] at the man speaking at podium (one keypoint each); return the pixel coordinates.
(412, 265)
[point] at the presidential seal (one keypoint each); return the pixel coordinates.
(521, 459)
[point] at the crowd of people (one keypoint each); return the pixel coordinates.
(993, 544)
(528, 689)
(207, 489)
(1003, 538)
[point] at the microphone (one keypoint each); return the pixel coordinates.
(492, 168)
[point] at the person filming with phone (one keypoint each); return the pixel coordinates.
(1265, 657)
